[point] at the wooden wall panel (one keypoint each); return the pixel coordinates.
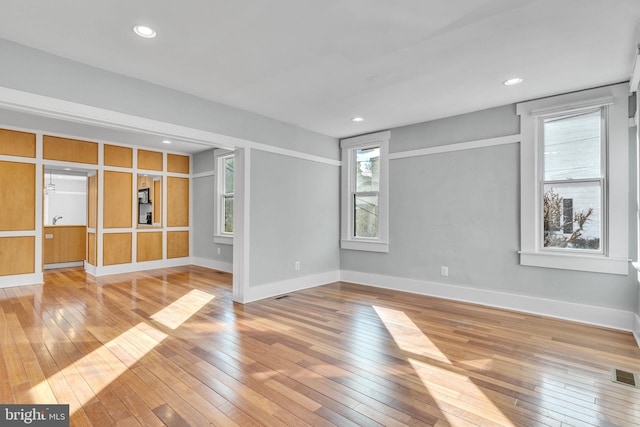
(177, 202)
(91, 248)
(116, 248)
(177, 244)
(17, 196)
(67, 244)
(14, 143)
(117, 200)
(92, 201)
(149, 246)
(177, 163)
(69, 150)
(157, 202)
(115, 155)
(149, 160)
(17, 255)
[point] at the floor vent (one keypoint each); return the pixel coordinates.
(282, 296)
(624, 377)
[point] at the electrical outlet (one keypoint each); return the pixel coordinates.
(444, 270)
(296, 265)
(218, 251)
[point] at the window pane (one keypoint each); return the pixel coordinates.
(365, 216)
(572, 217)
(368, 169)
(228, 214)
(228, 174)
(572, 146)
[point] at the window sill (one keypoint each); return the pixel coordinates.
(357, 245)
(593, 263)
(223, 240)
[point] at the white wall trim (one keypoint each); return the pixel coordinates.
(293, 153)
(21, 280)
(635, 76)
(203, 174)
(270, 290)
(213, 264)
(138, 266)
(64, 265)
(592, 315)
(469, 145)
(636, 328)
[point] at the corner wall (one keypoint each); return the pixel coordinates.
(461, 209)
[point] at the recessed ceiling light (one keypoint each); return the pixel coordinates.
(166, 141)
(357, 119)
(144, 31)
(513, 81)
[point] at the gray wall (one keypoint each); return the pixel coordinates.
(294, 217)
(204, 215)
(462, 209)
(34, 71)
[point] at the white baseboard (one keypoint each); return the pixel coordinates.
(21, 280)
(636, 328)
(227, 267)
(270, 290)
(63, 265)
(137, 266)
(599, 316)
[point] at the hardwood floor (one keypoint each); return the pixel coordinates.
(169, 347)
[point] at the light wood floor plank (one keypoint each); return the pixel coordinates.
(170, 347)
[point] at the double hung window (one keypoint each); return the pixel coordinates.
(574, 181)
(225, 162)
(365, 192)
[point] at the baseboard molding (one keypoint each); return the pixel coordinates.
(21, 280)
(636, 328)
(137, 266)
(270, 290)
(598, 316)
(227, 267)
(63, 265)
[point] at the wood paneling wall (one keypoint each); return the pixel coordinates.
(177, 163)
(69, 150)
(20, 144)
(116, 248)
(118, 156)
(91, 248)
(177, 202)
(149, 160)
(66, 244)
(177, 244)
(92, 201)
(157, 201)
(117, 199)
(17, 255)
(17, 196)
(149, 246)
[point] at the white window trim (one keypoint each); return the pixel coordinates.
(615, 259)
(349, 147)
(220, 236)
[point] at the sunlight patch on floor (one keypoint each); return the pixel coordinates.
(89, 375)
(445, 385)
(179, 311)
(407, 335)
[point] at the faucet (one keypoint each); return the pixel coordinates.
(56, 219)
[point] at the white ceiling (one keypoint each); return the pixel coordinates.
(317, 64)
